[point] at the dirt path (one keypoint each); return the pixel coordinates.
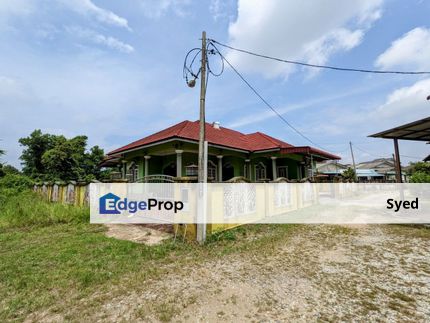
(368, 273)
(137, 233)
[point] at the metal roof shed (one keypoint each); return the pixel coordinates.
(417, 131)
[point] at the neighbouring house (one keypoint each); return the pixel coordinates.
(384, 166)
(418, 130)
(378, 170)
(365, 175)
(172, 154)
(330, 169)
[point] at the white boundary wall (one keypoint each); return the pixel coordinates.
(239, 203)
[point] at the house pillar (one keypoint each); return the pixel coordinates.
(147, 158)
(248, 169)
(124, 169)
(274, 173)
(179, 162)
(219, 168)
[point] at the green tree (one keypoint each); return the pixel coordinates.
(1, 165)
(91, 163)
(35, 146)
(419, 172)
(59, 158)
(349, 174)
(66, 159)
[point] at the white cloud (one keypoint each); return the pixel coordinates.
(100, 39)
(158, 8)
(83, 7)
(297, 30)
(406, 104)
(311, 103)
(15, 7)
(400, 106)
(11, 88)
(88, 8)
(412, 50)
(220, 9)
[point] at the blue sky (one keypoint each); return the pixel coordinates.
(112, 70)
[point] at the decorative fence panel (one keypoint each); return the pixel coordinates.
(74, 193)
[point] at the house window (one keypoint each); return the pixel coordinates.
(260, 171)
(283, 171)
(191, 170)
(212, 171)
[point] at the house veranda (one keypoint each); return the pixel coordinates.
(171, 155)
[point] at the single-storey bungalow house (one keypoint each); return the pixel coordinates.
(172, 153)
(384, 166)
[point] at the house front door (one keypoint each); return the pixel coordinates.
(170, 170)
(227, 171)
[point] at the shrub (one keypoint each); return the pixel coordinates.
(28, 209)
(421, 167)
(21, 207)
(9, 169)
(15, 182)
(420, 177)
(349, 174)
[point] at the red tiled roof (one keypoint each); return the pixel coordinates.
(190, 130)
(308, 150)
(223, 136)
(261, 141)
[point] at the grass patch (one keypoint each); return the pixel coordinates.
(54, 267)
(52, 260)
(27, 210)
(410, 230)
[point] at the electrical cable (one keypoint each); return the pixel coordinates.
(188, 68)
(319, 66)
(264, 100)
(365, 151)
(213, 52)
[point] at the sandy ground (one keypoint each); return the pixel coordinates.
(320, 273)
(137, 233)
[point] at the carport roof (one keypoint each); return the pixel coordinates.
(418, 130)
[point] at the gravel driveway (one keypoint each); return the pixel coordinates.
(319, 273)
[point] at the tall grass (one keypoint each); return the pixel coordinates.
(24, 209)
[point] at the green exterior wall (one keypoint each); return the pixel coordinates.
(164, 154)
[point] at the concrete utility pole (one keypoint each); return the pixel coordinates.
(353, 161)
(201, 174)
(201, 225)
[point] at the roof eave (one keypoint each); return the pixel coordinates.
(114, 153)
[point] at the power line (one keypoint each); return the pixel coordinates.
(413, 157)
(366, 152)
(319, 66)
(264, 100)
